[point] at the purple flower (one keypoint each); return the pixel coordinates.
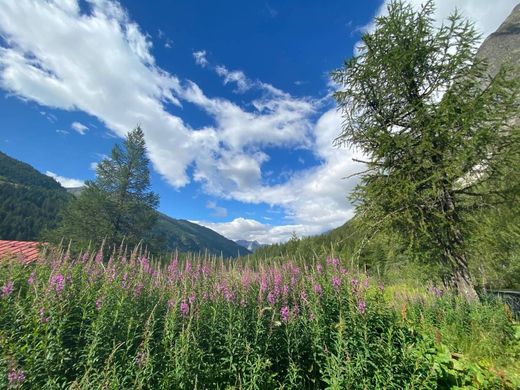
(284, 313)
(185, 308)
(57, 282)
(7, 289)
(271, 298)
(99, 257)
(361, 306)
(336, 282)
(99, 302)
(317, 289)
(15, 377)
(30, 280)
(319, 268)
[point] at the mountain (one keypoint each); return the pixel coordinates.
(249, 245)
(30, 202)
(187, 236)
(503, 46)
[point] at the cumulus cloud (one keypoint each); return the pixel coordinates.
(97, 60)
(252, 230)
(487, 15)
(66, 181)
(80, 128)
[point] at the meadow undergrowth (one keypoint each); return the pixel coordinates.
(86, 323)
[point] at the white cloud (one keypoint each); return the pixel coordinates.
(80, 128)
(251, 230)
(234, 76)
(66, 181)
(487, 15)
(100, 63)
(218, 211)
(200, 58)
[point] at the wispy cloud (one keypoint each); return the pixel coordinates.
(78, 127)
(218, 211)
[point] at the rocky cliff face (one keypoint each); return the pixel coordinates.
(503, 46)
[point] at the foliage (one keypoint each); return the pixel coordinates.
(29, 201)
(435, 129)
(117, 206)
(82, 323)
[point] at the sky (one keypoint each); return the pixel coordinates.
(234, 98)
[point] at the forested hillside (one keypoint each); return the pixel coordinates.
(29, 200)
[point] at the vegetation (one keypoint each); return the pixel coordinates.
(117, 207)
(81, 323)
(29, 201)
(437, 133)
(31, 204)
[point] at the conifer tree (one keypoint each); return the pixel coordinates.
(436, 131)
(118, 205)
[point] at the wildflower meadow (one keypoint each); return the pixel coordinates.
(86, 322)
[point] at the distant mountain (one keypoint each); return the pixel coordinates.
(189, 237)
(249, 245)
(503, 46)
(29, 200)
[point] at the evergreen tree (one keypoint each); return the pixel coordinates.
(436, 131)
(118, 205)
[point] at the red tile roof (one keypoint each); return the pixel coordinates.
(26, 251)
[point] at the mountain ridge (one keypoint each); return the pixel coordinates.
(30, 202)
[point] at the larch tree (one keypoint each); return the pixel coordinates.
(436, 132)
(118, 205)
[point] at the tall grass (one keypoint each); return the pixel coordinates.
(208, 323)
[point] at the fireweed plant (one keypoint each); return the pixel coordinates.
(209, 323)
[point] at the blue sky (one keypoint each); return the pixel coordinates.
(234, 98)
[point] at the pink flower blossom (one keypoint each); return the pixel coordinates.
(336, 282)
(271, 298)
(99, 302)
(317, 289)
(7, 289)
(284, 313)
(362, 306)
(30, 280)
(184, 308)
(15, 377)
(57, 283)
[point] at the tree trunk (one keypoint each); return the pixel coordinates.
(455, 255)
(459, 279)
